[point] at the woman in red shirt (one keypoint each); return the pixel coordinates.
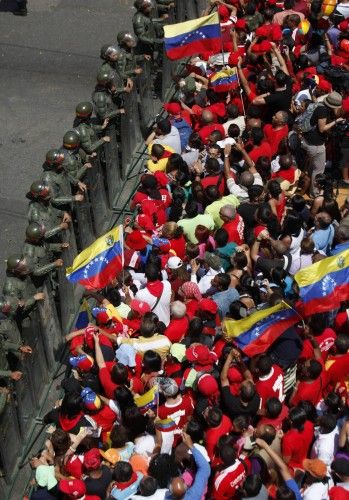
(174, 233)
(277, 199)
(152, 200)
(297, 441)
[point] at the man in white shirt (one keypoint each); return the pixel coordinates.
(156, 293)
(326, 442)
(213, 266)
(166, 135)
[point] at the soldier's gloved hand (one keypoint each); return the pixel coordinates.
(165, 16)
(63, 225)
(39, 296)
(16, 375)
(26, 349)
(88, 165)
(106, 138)
(122, 111)
(66, 217)
(147, 57)
(79, 197)
(65, 245)
(138, 71)
(105, 123)
(59, 263)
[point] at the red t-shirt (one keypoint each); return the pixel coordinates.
(177, 329)
(108, 385)
(105, 419)
(337, 369)
(296, 444)
(263, 150)
(275, 422)
(310, 391)
(212, 180)
(274, 137)
(235, 230)
(271, 386)
(287, 175)
(178, 245)
(228, 481)
(325, 341)
(207, 130)
(178, 412)
(213, 434)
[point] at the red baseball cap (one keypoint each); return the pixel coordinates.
(140, 306)
(92, 459)
(103, 318)
(208, 305)
(74, 488)
(201, 355)
(207, 385)
(241, 24)
(135, 240)
(161, 177)
(262, 31)
(172, 108)
(145, 222)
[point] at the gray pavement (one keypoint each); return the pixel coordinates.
(48, 63)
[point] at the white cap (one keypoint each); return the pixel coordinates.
(174, 262)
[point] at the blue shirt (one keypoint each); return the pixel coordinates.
(224, 299)
(340, 248)
(291, 483)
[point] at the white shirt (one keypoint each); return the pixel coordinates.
(317, 491)
(172, 139)
(343, 8)
(205, 282)
(162, 309)
(325, 446)
(239, 121)
(240, 192)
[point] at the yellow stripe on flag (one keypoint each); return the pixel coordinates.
(234, 328)
(315, 272)
(172, 30)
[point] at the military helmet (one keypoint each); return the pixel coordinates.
(71, 140)
(84, 109)
(110, 52)
(104, 77)
(54, 157)
(13, 261)
(35, 232)
(126, 38)
(140, 4)
(40, 190)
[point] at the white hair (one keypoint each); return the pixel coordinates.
(178, 309)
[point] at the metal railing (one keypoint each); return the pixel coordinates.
(111, 183)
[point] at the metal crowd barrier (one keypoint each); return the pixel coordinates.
(111, 183)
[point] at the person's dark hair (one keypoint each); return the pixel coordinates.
(224, 280)
(253, 111)
(227, 455)
(119, 374)
(298, 202)
(257, 136)
(331, 207)
(163, 468)
(285, 493)
(252, 486)
(195, 430)
(273, 407)
(164, 126)
(71, 405)
(234, 130)
(281, 78)
(122, 472)
(195, 141)
(176, 162)
(240, 260)
(264, 364)
(342, 344)
(135, 422)
(241, 423)
(314, 369)
(250, 8)
(151, 362)
(247, 392)
(221, 237)
(268, 14)
(148, 486)
(152, 272)
(232, 111)
(157, 150)
(254, 192)
(333, 403)
(309, 409)
(148, 326)
(317, 323)
(212, 193)
(60, 441)
(113, 295)
(124, 397)
(149, 186)
(214, 417)
(191, 209)
(297, 417)
(289, 4)
(196, 327)
(176, 209)
(292, 224)
(327, 423)
(119, 436)
(274, 189)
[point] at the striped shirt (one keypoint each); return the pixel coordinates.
(158, 343)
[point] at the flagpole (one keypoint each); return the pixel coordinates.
(293, 309)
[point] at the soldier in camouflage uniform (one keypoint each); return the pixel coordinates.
(55, 177)
(41, 253)
(128, 62)
(74, 163)
(87, 131)
(19, 285)
(149, 31)
(107, 98)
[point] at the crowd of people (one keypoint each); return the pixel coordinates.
(238, 195)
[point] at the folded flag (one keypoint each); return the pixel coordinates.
(192, 37)
(98, 264)
(224, 80)
(149, 400)
(257, 332)
(165, 424)
(325, 284)
(84, 316)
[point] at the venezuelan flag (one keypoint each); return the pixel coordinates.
(99, 263)
(149, 400)
(325, 284)
(224, 80)
(192, 37)
(165, 424)
(84, 316)
(257, 332)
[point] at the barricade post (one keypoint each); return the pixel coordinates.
(112, 166)
(98, 198)
(130, 130)
(10, 439)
